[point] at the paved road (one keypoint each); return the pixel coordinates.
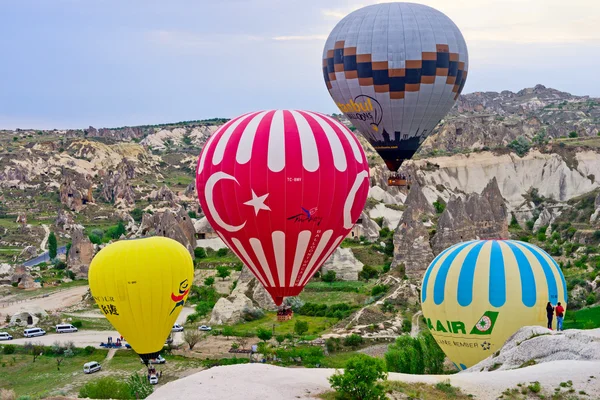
(45, 257)
(93, 338)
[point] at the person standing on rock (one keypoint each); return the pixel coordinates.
(559, 317)
(550, 314)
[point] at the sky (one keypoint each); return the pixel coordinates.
(110, 63)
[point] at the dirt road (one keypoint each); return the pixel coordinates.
(54, 301)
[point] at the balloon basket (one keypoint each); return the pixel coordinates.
(284, 313)
(399, 180)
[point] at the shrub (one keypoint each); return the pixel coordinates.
(573, 134)
(77, 324)
(105, 388)
(520, 146)
(333, 344)
(590, 299)
(406, 326)
(8, 349)
(137, 214)
(368, 272)
(199, 252)
(415, 355)
(386, 267)
(378, 289)
(329, 276)
(139, 387)
(192, 214)
(360, 379)
(353, 340)
(439, 205)
(60, 265)
(222, 252)
(88, 350)
(252, 314)
(209, 281)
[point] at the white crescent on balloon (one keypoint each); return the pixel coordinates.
(208, 194)
(350, 198)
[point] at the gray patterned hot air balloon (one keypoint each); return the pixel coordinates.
(395, 70)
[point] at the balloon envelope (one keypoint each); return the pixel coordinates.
(395, 70)
(282, 188)
(476, 294)
(141, 286)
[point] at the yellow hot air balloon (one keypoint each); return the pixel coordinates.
(476, 294)
(141, 286)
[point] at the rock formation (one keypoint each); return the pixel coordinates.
(344, 264)
(164, 194)
(411, 240)
(248, 295)
(75, 191)
(116, 184)
(536, 344)
(176, 225)
(64, 220)
(477, 217)
(28, 253)
(80, 254)
(23, 278)
(28, 316)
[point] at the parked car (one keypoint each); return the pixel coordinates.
(153, 379)
(91, 367)
(204, 328)
(5, 336)
(177, 328)
(157, 360)
(65, 328)
(31, 332)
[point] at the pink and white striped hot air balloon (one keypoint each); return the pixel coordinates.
(282, 188)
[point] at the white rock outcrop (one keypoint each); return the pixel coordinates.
(390, 216)
(344, 264)
(536, 345)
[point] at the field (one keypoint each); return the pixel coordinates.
(587, 318)
(42, 378)
(316, 325)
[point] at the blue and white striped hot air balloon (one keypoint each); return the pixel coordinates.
(476, 294)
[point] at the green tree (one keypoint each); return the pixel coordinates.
(209, 281)
(280, 339)
(264, 334)
(300, 327)
(513, 222)
(223, 272)
(199, 252)
(573, 134)
(192, 214)
(52, 246)
(329, 276)
(360, 379)
(353, 340)
(191, 337)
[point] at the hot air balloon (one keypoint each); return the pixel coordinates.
(282, 188)
(476, 294)
(395, 70)
(141, 286)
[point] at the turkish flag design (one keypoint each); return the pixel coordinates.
(282, 188)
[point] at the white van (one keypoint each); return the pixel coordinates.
(5, 336)
(91, 367)
(65, 328)
(31, 332)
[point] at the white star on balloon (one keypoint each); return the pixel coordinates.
(258, 202)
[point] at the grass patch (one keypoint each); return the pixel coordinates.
(329, 298)
(423, 391)
(316, 325)
(370, 256)
(338, 359)
(587, 318)
(338, 286)
(40, 378)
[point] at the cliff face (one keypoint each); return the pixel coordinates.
(479, 216)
